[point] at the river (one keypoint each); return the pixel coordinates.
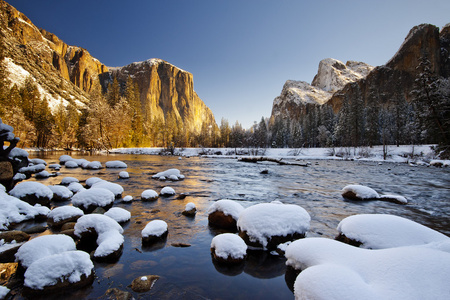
(189, 272)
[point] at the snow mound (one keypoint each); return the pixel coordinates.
(43, 246)
(92, 180)
(64, 212)
(13, 210)
(55, 166)
(60, 192)
(262, 222)
(98, 197)
(116, 164)
(31, 189)
(173, 173)
(92, 165)
(228, 245)
(380, 231)
(127, 198)
(42, 175)
(228, 207)
(76, 187)
(4, 291)
(48, 271)
(154, 228)
(190, 206)
(32, 169)
(124, 175)
(118, 214)
(394, 198)
(68, 180)
(71, 164)
(115, 188)
(359, 192)
(334, 270)
(110, 238)
(167, 191)
(38, 161)
(149, 195)
(64, 158)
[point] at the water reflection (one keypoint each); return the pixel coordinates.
(190, 273)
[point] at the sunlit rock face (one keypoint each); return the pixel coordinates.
(164, 88)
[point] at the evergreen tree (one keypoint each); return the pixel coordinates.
(113, 95)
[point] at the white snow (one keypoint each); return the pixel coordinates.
(95, 196)
(110, 237)
(361, 191)
(92, 165)
(42, 174)
(397, 198)
(149, 195)
(92, 180)
(23, 189)
(229, 245)
(38, 161)
(76, 187)
(175, 173)
(47, 271)
(64, 212)
(19, 177)
(17, 152)
(13, 210)
(3, 291)
(128, 198)
(265, 220)
(228, 207)
(68, 180)
(43, 246)
(55, 166)
(118, 214)
(167, 191)
(115, 164)
(115, 188)
(124, 175)
(154, 228)
(380, 231)
(71, 164)
(189, 206)
(440, 163)
(334, 270)
(64, 158)
(32, 169)
(61, 191)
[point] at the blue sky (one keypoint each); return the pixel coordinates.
(240, 52)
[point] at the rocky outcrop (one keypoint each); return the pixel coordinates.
(164, 88)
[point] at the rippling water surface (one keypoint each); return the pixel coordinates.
(189, 273)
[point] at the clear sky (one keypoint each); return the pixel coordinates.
(240, 51)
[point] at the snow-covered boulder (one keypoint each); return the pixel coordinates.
(68, 180)
(63, 214)
(42, 175)
(143, 284)
(334, 270)
(127, 199)
(55, 167)
(224, 214)
(359, 192)
(115, 188)
(10, 242)
(13, 210)
(394, 198)
(116, 164)
(58, 273)
(43, 246)
(154, 231)
(32, 169)
(190, 210)
(228, 248)
(167, 191)
(38, 161)
(92, 165)
(75, 187)
(4, 291)
(172, 174)
(380, 231)
(32, 192)
(64, 158)
(71, 164)
(149, 195)
(124, 175)
(89, 200)
(105, 232)
(60, 193)
(266, 225)
(92, 180)
(118, 214)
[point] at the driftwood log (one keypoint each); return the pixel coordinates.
(278, 161)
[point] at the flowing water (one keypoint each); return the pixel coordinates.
(189, 272)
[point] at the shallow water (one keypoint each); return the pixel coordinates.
(189, 273)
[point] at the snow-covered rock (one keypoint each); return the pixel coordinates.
(57, 272)
(127, 199)
(56, 167)
(32, 169)
(228, 248)
(71, 164)
(42, 175)
(92, 180)
(154, 230)
(224, 214)
(167, 191)
(394, 198)
(92, 165)
(110, 239)
(380, 231)
(115, 188)
(175, 174)
(116, 164)
(75, 187)
(60, 193)
(118, 214)
(359, 192)
(63, 214)
(267, 225)
(64, 158)
(90, 199)
(38, 161)
(334, 270)
(4, 291)
(68, 180)
(32, 192)
(124, 175)
(14, 210)
(149, 195)
(190, 209)
(43, 246)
